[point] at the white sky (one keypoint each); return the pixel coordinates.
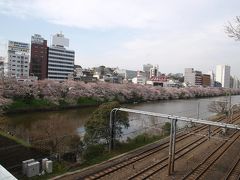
(128, 33)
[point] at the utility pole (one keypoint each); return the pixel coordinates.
(172, 146)
(170, 149)
(113, 115)
(198, 110)
(229, 107)
(111, 130)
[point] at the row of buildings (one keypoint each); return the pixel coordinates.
(38, 60)
(196, 78)
(149, 75)
(222, 78)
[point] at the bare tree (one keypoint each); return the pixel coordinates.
(53, 135)
(233, 29)
(218, 107)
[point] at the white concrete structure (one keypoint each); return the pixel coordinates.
(192, 78)
(223, 75)
(59, 40)
(18, 59)
(60, 60)
(139, 80)
(154, 71)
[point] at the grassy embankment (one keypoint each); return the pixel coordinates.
(27, 105)
(14, 139)
(97, 153)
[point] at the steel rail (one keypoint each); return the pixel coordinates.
(144, 154)
(148, 171)
(202, 168)
(234, 172)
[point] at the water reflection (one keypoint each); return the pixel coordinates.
(27, 125)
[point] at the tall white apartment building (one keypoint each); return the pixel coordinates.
(60, 59)
(154, 71)
(18, 59)
(223, 75)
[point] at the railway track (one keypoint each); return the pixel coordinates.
(204, 165)
(163, 162)
(234, 172)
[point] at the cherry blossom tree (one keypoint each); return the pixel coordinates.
(71, 91)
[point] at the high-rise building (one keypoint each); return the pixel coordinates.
(39, 57)
(223, 75)
(146, 69)
(18, 59)
(154, 71)
(60, 59)
(193, 78)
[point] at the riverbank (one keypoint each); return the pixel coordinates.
(94, 157)
(42, 105)
(51, 95)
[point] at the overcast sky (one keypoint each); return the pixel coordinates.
(129, 33)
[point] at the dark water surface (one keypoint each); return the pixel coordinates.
(68, 121)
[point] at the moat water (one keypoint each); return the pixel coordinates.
(70, 121)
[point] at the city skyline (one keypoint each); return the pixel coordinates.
(126, 34)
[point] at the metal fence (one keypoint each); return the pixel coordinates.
(173, 119)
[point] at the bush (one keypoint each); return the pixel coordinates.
(23, 104)
(93, 151)
(166, 128)
(87, 101)
(63, 103)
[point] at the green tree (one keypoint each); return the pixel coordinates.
(166, 128)
(98, 128)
